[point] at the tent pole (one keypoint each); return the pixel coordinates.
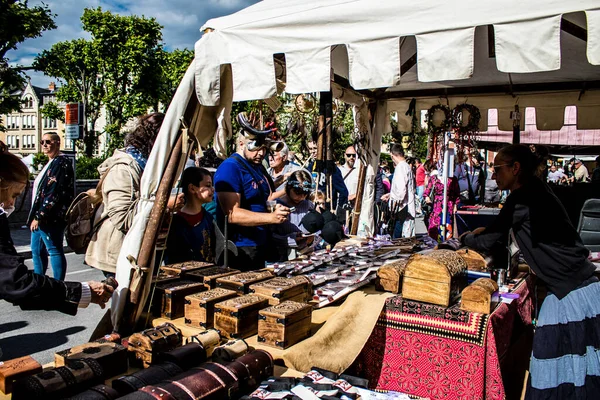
(446, 172)
(516, 117)
(360, 189)
(146, 254)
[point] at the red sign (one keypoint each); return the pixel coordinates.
(72, 114)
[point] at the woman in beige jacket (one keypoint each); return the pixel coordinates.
(120, 193)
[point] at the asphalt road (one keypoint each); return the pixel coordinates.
(42, 333)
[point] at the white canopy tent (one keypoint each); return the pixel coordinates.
(491, 53)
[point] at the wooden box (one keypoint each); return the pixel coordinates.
(475, 261)
(172, 296)
(146, 345)
(17, 368)
(277, 290)
(389, 276)
(112, 357)
(480, 296)
(185, 267)
(437, 277)
(208, 276)
(241, 282)
(238, 317)
(285, 324)
(209, 340)
(200, 307)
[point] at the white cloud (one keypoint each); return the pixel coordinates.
(181, 20)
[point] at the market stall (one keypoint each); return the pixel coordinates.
(450, 53)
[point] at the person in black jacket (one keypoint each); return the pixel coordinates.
(566, 345)
(19, 285)
(53, 192)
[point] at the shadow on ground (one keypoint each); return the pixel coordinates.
(29, 343)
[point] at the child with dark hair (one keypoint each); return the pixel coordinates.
(192, 234)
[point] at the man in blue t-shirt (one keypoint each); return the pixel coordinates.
(243, 188)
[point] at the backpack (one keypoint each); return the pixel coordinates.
(81, 218)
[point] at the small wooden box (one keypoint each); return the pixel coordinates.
(480, 296)
(389, 276)
(437, 277)
(146, 345)
(185, 267)
(277, 290)
(209, 340)
(200, 307)
(475, 261)
(285, 324)
(241, 282)
(111, 356)
(238, 317)
(17, 368)
(172, 296)
(208, 276)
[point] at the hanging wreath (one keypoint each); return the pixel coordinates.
(472, 124)
(445, 125)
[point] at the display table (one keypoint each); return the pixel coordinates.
(437, 352)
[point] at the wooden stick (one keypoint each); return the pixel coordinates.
(360, 189)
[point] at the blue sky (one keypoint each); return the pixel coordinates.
(181, 21)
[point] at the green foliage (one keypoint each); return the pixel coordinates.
(39, 160)
(128, 49)
(174, 65)
(18, 22)
(87, 167)
(52, 110)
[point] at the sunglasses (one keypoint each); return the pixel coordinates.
(43, 142)
(353, 155)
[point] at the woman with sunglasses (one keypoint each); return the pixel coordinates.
(18, 284)
(53, 192)
(289, 234)
(565, 363)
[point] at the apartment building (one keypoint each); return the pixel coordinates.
(25, 128)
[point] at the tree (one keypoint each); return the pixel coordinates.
(75, 64)
(18, 22)
(128, 49)
(174, 65)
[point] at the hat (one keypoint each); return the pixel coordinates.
(332, 232)
(312, 222)
(257, 137)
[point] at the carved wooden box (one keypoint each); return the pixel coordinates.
(437, 277)
(111, 356)
(277, 290)
(241, 282)
(480, 296)
(200, 307)
(185, 267)
(285, 324)
(389, 276)
(146, 345)
(238, 317)
(17, 368)
(172, 296)
(209, 340)
(208, 276)
(475, 261)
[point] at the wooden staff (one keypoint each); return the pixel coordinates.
(362, 175)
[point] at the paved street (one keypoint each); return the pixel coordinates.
(42, 333)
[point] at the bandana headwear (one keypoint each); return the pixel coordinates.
(258, 139)
(305, 186)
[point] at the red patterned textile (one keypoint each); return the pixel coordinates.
(442, 353)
